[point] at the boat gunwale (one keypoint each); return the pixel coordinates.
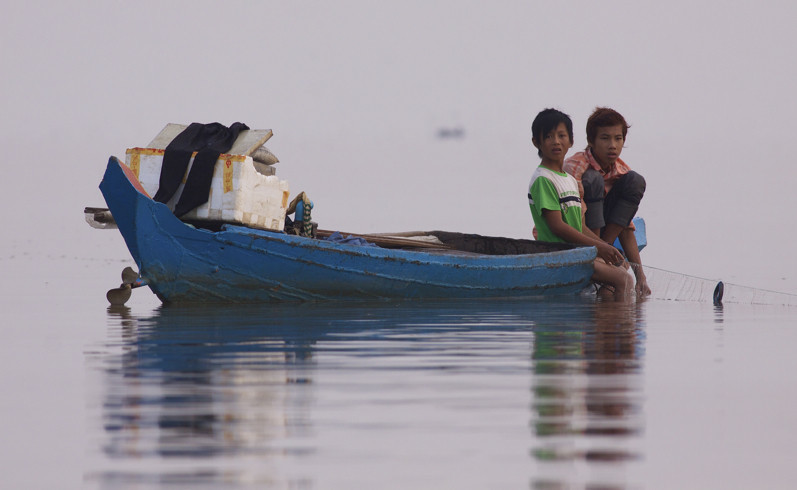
(439, 256)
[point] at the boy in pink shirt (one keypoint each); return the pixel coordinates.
(611, 190)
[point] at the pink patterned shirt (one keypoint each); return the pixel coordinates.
(581, 161)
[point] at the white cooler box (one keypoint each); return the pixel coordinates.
(238, 192)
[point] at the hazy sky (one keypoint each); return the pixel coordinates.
(355, 92)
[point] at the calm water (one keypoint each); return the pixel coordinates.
(566, 393)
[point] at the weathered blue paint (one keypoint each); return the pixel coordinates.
(184, 264)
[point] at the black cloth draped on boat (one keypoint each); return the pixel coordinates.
(209, 141)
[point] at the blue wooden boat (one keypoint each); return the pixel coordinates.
(181, 263)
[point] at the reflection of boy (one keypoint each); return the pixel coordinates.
(555, 200)
(611, 190)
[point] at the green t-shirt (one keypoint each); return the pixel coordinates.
(555, 191)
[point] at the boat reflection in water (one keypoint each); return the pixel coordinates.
(297, 396)
(186, 372)
(587, 409)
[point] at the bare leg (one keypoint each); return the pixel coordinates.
(615, 277)
(611, 232)
(621, 203)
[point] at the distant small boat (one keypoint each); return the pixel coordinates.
(451, 133)
(181, 263)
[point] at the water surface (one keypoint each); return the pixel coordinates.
(558, 393)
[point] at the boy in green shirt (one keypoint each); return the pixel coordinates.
(555, 201)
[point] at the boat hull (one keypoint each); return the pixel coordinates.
(183, 264)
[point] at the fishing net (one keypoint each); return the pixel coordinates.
(675, 286)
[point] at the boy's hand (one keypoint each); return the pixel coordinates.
(642, 287)
(609, 254)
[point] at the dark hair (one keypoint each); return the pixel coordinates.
(603, 117)
(548, 120)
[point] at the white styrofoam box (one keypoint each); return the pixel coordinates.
(238, 192)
